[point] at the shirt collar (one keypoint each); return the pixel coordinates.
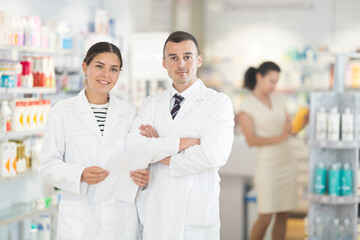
(188, 92)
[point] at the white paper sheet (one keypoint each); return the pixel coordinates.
(119, 185)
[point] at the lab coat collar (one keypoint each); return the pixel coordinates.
(115, 111)
(114, 115)
(187, 93)
(193, 96)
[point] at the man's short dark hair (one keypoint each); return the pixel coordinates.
(180, 36)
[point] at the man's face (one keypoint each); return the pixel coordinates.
(181, 60)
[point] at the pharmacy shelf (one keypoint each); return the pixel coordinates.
(18, 176)
(333, 144)
(19, 135)
(30, 49)
(32, 90)
(332, 200)
(22, 211)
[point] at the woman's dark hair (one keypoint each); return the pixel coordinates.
(180, 36)
(263, 69)
(102, 47)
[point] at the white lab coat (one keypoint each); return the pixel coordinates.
(73, 141)
(181, 201)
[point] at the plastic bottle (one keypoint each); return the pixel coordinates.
(13, 158)
(320, 179)
(318, 233)
(18, 116)
(333, 132)
(321, 124)
(6, 115)
(346, 180)
(298, 120)
(45, 220)
(335, 232)
(347, 125)
(34, 232)
(334, 180)
(348, 230)
(5, 159)
(41, 231)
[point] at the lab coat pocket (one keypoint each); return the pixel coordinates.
(70, 222)
(203, 209)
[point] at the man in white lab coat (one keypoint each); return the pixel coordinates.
(182, 197)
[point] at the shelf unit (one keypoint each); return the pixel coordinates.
(31, 49)
(325, 199)
(22, 211)
(19, 135)
(18, 176)
(324, 206)
(15, 211)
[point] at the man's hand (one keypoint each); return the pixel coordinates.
(94, 175)
(148, 131)
(140, 177)
(166, 161)
(188, 142)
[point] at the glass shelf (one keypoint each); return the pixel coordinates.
(32, 90)
(31, 49)
(334, 144)
(18, 176)
(21, 134)
(22, 211)
(333, 200)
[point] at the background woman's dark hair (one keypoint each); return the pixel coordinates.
(263, 69)
(180, 36)
(102, 47)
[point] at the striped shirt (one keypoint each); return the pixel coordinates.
(100, 114)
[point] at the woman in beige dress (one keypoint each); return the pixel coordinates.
(266, 125)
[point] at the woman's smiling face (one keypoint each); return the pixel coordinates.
(102, 73)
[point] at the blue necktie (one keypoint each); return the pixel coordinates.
(176, 107)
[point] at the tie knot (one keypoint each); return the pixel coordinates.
(178, 97)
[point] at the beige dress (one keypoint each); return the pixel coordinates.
(276, 168)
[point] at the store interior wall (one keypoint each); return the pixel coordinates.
(233, 34)
(243, 33)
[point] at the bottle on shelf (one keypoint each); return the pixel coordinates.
(335, 232)
(13, 158)
(333, 132)
(27, 79)
(320, 179)
(6, 115)
(346, 180)
(347, 125)
(5, 159)
(334, 180)
(318, 232)
(34, 232)
(348, 231)
(321, 124)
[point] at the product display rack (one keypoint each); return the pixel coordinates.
(40, 50)
(19, 135)
(23, 211)
(33, 90)
(18, 176)
(324, 206)
(26, 210)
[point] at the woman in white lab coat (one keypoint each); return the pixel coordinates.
(81, 133)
